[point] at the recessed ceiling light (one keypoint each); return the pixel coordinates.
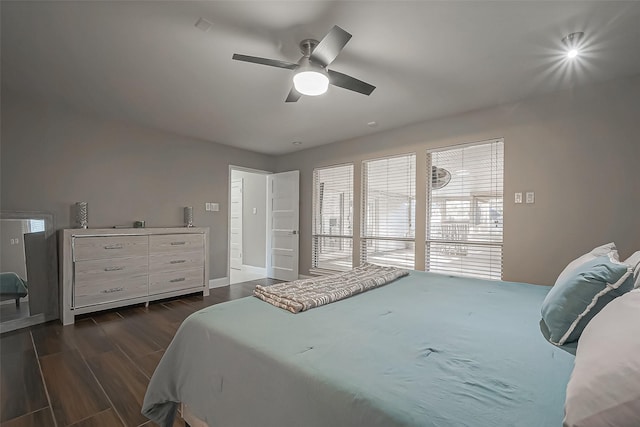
(572, 42)
(297, 142)
(372, 124)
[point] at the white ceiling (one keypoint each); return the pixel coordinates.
(146, 62)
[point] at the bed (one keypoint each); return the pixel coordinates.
(424, 350)
(12, 287)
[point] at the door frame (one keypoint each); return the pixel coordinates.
(242, 169)
(231, 218)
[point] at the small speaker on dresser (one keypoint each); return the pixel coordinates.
(188, 216)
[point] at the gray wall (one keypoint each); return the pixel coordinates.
(254, 226)
(12, 256)
(579, 150)
(53, 157)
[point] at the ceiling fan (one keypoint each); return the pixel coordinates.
(312, 77)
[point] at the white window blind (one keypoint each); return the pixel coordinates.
(465, 210)
(332, 237)
(388, 211)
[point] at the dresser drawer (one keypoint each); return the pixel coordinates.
(104, 292)
(173, 281)
(85, 248)
(97, 271)
(168, 243)
(167, 262)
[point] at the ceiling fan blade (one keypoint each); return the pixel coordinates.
(348, 82)
(265, 61)
(330, 46)
(293, 96)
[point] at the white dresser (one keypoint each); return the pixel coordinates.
(107, 268)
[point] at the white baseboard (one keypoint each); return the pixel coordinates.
(254, 270)
(218, 283)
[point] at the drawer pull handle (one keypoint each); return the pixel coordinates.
(178, 243)
(115, 246)
(112, 290)
(113, 268)
(182, 279)
(177, 261)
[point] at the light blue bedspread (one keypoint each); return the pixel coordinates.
(425, 350)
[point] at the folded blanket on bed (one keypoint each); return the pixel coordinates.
(304, 294)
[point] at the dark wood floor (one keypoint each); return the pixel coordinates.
(9, 311)
(93, 373)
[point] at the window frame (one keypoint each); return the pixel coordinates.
(315, 269)
(364, 206)
(473, 200)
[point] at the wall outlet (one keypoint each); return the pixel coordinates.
(530, 197)
(518, 198)
(215, 207)
(255, 211)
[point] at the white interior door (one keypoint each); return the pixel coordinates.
(282, 215)
(236, 224)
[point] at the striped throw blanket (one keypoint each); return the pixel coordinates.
(305, 294)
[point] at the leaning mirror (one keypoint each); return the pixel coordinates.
(28, 269)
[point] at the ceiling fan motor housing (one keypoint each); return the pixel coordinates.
(307, 46)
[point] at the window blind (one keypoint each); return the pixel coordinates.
(332, 236)
(388, 211)
(465, 210)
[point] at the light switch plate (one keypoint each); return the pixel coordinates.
(215, 207)
(207, 206)
(518, 198)
(530, 197)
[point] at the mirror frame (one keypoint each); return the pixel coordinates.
(53, 308)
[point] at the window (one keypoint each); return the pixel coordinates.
(36, 225)
(388, 211)
(464, 210)
(332, 237)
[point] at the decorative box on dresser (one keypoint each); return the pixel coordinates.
(105, 268)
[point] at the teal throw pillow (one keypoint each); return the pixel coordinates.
(583, 292)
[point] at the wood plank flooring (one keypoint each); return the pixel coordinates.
(94, 373)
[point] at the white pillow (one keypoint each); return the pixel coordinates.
(595, 253)
(634, 262)
(604, 389)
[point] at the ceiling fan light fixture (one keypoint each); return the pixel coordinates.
(311, 82)
(310, 75)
